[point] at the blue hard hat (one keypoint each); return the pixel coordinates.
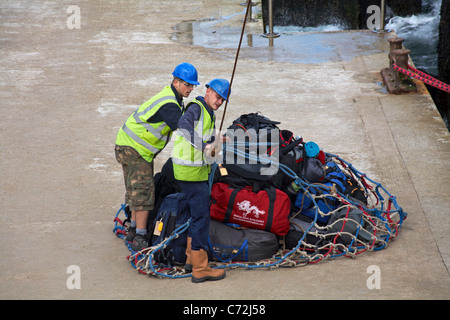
(186, 72)
(221, 86)
(312, 149)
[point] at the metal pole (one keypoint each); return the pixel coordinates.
(271, 34)
(249, 16)
(383, 14)
(382, 18)
(244, 4)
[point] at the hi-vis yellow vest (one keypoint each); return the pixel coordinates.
(148, 138)
(188, 162)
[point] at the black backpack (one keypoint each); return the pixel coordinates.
(253, 135)
(172, 215)
(165, 184)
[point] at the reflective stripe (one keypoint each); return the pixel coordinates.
(192, 150)
(148, 138)
(154, 131)
(188, 163)
(200, 125)
(150, 107)
(133, 136)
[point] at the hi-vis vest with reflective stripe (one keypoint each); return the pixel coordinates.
(188, 162)
(148, 138)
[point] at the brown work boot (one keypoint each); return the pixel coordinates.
(201, 270)
(188, 264)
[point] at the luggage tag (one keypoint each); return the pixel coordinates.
(158, 228)
(223, 171)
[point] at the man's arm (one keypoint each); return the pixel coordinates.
(187, 124)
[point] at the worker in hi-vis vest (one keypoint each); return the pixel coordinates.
(145, 133)
(192, 149)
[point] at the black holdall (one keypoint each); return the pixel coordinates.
(229, 244)
(254, 147)
(250, 137)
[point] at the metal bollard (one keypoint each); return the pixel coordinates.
(244, 4)
(249, 15)
(401, 57)
(394, 44)
(271, 34)
(397, 82)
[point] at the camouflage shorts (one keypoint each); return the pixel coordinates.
(138, 176)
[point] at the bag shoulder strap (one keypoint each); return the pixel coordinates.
(231, 204)
(272, 194)
(242, 250)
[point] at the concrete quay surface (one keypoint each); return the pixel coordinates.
(65, 91)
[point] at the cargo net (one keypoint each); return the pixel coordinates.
(353, 226)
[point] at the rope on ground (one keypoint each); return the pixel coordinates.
(379, 223)
(422, 76)
(143, 260)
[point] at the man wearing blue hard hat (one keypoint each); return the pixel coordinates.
(145, 133)
(195, 140)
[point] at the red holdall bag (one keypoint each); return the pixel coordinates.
(266, 210)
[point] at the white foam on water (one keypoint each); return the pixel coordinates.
(421, 34)
(295, 29)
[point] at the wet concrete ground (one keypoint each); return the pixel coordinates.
(66, 91)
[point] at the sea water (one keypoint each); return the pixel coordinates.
(421, 34)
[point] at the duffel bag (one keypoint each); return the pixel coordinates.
(230, 244)
(266, 210)
(298, 227)
(328, 203)
(306, 206)
(349, 222)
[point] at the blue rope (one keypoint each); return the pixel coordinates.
(181, 229)
(117, 225)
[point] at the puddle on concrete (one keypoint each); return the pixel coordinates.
(292, 46)
(381, 87)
